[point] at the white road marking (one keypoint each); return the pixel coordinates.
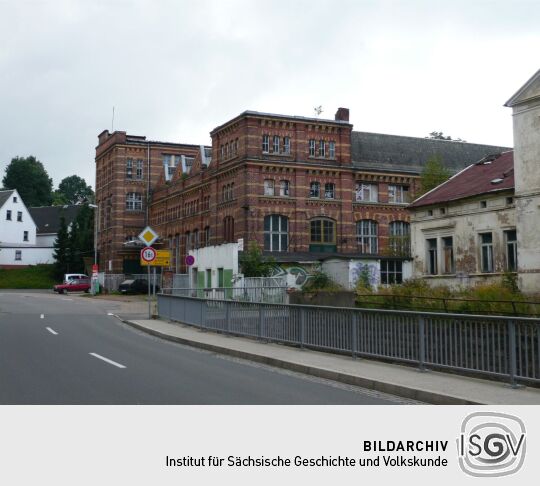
(52, 331)
(110, 314)
(70, 300)
(42, 316)
(110, 361)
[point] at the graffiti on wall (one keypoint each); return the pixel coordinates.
(296, 275)
(366, 273)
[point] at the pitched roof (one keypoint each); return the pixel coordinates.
(47, 218)
(4, 196)
(528, 92)
(491, 174)
(378, 151)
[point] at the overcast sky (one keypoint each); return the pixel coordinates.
(174, 70)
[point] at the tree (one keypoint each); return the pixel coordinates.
(75, 242)
(61, 250)
(29, 177)
(441, 136)
(434, 173)
(73, 190)
(254, 264)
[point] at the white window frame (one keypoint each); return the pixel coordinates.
(265, 144)
(139, 170)
(312, 147)
(315, 189)
(275, 144)
(367, 236)
(18, 255)
(369, 189)
(287, 145)
(281, 230)
(322, 148)
(486, 249)
(284, 188)
(133, 201)
(129, 169)
(329, 190)
(397, 193)
(269, 187)
(332, 149)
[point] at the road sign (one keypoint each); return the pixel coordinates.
(190, 260)
(94, 268)
(162, 259)
(148, 236)
(148, 255)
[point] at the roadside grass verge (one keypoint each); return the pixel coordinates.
(31, 277)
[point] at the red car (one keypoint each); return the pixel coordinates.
(73, 286)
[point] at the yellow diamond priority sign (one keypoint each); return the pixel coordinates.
(148, 236)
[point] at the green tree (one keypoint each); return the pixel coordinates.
(61, 250)
(434, 173)
(74, 242)
(73, 190)
(81, 238)
(29, 177)
(254, 264)
(442, 136)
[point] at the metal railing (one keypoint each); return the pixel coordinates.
(503, 348)
(275, 295)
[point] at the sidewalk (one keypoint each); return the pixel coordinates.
(430, 387)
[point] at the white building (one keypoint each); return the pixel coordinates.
(525, 106)
(27, 235)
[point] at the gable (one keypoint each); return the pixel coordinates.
(529, 91)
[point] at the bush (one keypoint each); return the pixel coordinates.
(320, 281)
(418, 295)
(31, 277)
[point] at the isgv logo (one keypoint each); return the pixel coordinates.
(491, 444)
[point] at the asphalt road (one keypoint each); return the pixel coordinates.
(66, 350)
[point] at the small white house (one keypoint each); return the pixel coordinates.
(27, 235)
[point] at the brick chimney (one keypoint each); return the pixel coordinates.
(342, 114)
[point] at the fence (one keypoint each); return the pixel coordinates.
(503, 348)
(111, 281)
(449, 304)
(275, 295)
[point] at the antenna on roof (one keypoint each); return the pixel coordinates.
(318, 110)
(112, 122)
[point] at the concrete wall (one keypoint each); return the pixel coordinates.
(13, 230)
(464, 221)
(29, 256)
(526, 119)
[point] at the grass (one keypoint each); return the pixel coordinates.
(31, 277)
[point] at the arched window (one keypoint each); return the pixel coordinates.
(276, 233)
(400, 239)
(322, 235)
(366, 236)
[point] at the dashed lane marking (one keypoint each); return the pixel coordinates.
(52, 331)
(107, 360)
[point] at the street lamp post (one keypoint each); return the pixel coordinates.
(95, 284)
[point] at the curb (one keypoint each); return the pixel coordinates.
(425, 396)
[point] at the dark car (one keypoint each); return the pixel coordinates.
(136, 286)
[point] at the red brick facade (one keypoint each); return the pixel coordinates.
(227, 198)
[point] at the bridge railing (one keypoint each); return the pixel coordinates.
(501, 347)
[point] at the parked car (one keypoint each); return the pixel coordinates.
(136, 286)
(76, 285)
(75, 277)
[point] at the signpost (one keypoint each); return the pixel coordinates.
(148, 255)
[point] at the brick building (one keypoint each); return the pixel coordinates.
(303, 188)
